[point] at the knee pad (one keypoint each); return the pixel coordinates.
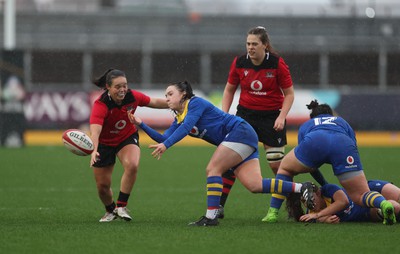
(275, 154)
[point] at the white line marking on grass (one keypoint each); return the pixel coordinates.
(27, 208)
(52, 189)
(116, 188)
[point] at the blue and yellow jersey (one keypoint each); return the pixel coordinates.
(201, 119)
(328, 123)
(328, 139)
(352, 212)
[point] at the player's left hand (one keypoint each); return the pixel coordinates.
(134, 119)
(279, 124)
(94, 157)
(333, 219)
(309, 217)
(159, 149)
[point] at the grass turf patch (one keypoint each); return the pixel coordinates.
(49, 204)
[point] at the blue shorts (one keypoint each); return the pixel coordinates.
(329, 147)
(377, 185)
(245, 134)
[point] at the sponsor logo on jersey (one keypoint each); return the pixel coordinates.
(120, 124)
(348, 210)
(350, 162)
(196, 133)
(257, 86)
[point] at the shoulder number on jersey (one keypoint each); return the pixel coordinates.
(325, 120)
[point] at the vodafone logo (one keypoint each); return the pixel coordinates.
(194, 131)
(256, 85)
(350, 160)
(120, 124)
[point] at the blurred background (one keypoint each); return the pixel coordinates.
(345, 53)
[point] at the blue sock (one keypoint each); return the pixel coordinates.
(287, 186)
(273, 185)
(372, 199)
(214, 192)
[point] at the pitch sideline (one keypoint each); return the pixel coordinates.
(364, 138)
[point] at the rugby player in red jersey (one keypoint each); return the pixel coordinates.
(114, 136)
(266, 96)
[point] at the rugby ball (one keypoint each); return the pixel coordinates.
(77, 142)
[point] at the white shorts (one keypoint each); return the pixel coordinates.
(242, 149)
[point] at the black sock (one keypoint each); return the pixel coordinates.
(228, 179)
(122, 199)
(110, 208)
(317, 175)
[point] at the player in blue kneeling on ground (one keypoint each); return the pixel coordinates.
(236, 141)
(333, 205)
(326, 138)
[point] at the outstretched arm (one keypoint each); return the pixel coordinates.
(157, 103)
(153, 134)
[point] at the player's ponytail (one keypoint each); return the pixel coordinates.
(293, 206)
(107, 77)
(319, 109)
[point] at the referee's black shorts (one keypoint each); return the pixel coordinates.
(263, 123)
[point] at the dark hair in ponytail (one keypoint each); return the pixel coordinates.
(293, 206)
(107, 78)
(319, 109)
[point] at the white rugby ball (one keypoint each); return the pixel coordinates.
(77, 142)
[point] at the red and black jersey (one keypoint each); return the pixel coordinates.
(114, 118)
(261, 85)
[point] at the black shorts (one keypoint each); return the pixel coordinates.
(109, 153)
(263, 123)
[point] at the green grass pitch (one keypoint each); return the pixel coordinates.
(49, 204)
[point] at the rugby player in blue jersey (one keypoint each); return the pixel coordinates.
(329, 139)
(236, 141)
(333, 205)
